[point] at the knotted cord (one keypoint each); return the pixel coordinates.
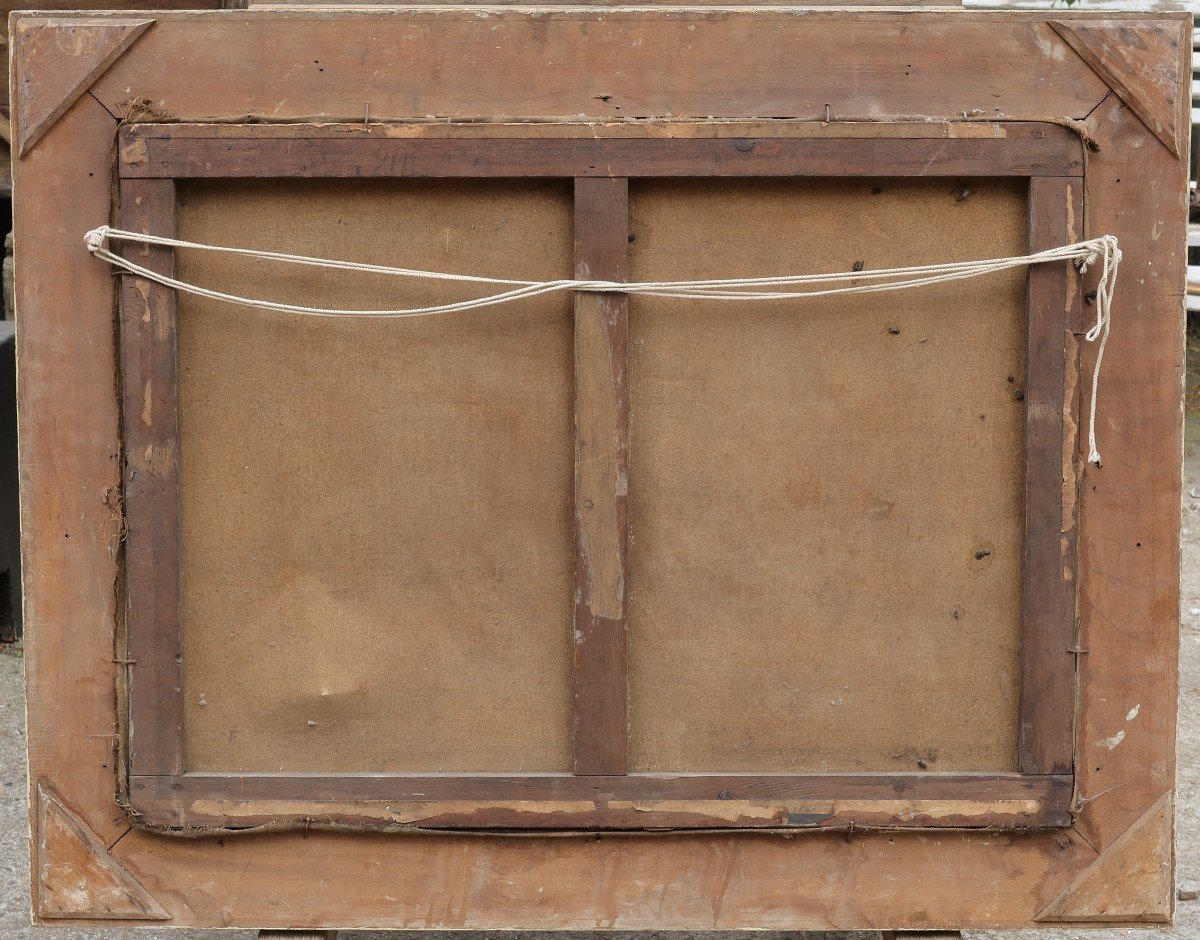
(1084, 254)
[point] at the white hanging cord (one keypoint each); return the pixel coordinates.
(1110, 260)
(1086, 253)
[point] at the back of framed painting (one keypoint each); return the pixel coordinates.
(707, 475)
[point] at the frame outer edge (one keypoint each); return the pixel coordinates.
(142, 850)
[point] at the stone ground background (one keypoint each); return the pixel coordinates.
(14, 861)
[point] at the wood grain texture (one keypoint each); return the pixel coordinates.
(588, 126)
(1129, 545)
(1025, 150)
(1048, 571)
(77, 877)
(720, 881)
(1132, 882)
(607, 64)
(1144, 65)
(69, 464)
(229, 66)
(150, 428)
(63, 58)
(601, 479)
(525, 787)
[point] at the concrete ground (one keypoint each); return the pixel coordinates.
(14, 861)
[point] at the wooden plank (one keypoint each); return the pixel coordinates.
(1131, 881)
(66, 56)
(634, 802)
(199, 67)
(77, 875)
(1048, 571)
(601, 479)
(447, 786)
(1129, 545)
(1023, 152)
(725, 881)
(686, 127)
(150, 426)
(69, 455)
(723, 64)
(1144, 64)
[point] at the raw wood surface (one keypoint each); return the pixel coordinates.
(1048, 570)
(150, 427)
(1131, 882)
(44, 6)
(64, 58)
(1025, 150)
(961, 788)
(588, 126)
(1129, 544)
(605, 709)
(1144, 64)
(601, 479)
(70, 477)
(600, 712)
(716, 882)
(695, 64)
(77, 876)
(740, 65)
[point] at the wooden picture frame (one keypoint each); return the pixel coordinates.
(601, 794)
(1084, 813)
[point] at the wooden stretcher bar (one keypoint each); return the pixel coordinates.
(600, 795)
